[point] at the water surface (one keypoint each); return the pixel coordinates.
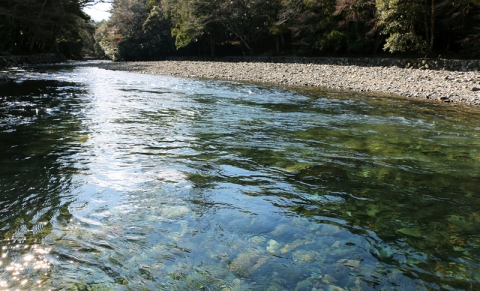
(121, 181)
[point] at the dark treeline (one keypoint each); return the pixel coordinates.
(152, 29)
(147, 29)
(39, 26)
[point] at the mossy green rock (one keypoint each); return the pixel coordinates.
(410, 231)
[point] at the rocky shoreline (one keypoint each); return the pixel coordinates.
(447, 86)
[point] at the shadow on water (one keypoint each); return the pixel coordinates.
(40, 133)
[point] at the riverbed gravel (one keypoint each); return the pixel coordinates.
(441, 85)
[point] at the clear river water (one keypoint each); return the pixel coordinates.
(113, 180)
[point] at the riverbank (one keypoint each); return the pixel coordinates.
(441, 85)
(11, 61)
(15, 61)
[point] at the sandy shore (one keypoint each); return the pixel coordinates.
(445, 86)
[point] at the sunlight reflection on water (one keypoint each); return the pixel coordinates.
(133, 181)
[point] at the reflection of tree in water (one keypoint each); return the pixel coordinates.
(40, 134)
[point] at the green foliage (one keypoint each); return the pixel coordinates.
(41, 26)
(150, 29)
(87, 32)
(189, 25)
(401, 42)
(399, 19)
(156, 32)
(334, 39)
(137, 30)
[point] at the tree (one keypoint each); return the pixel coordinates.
(137, 30)
(400, 20)
(459, 22)
(188, 25)
(31, 26)
(7, 31)
(219, 20)
(357, 18)
(156, 34)
(311, 24)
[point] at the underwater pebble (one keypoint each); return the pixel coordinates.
(333, 288)
(247, 263)
(303, 256)
(349, 263)
(328, 279)
(257, 239)
(273, 246)
(175, 211)
(291, 246)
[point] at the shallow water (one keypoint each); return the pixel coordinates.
(121, 181)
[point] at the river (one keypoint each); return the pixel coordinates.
(113, 180)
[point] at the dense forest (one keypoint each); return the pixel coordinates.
(152, 29)
(38, 26)
(146, 29)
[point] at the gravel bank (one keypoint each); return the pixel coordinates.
(446, 86)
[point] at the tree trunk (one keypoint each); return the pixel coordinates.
(378, 42)
(348, 38)
(37, 22)
(211, 44)
(278, 45)
(32, 43)
(425, 20)
(245, 43)
(236, 31)
(432, 26)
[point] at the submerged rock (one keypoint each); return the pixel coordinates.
(297, 167)
(247, 263)
(257, 239)
(410, 231)
(460, 223)
(4, 77)
(329, 229)
(304, 285)
(291, 246)
(304, 257)
(372, 210)
(322, 174)
(273, 246)
(328, 279)
(333, 288)
(353, 264)
(175, 211)
(282, 229)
